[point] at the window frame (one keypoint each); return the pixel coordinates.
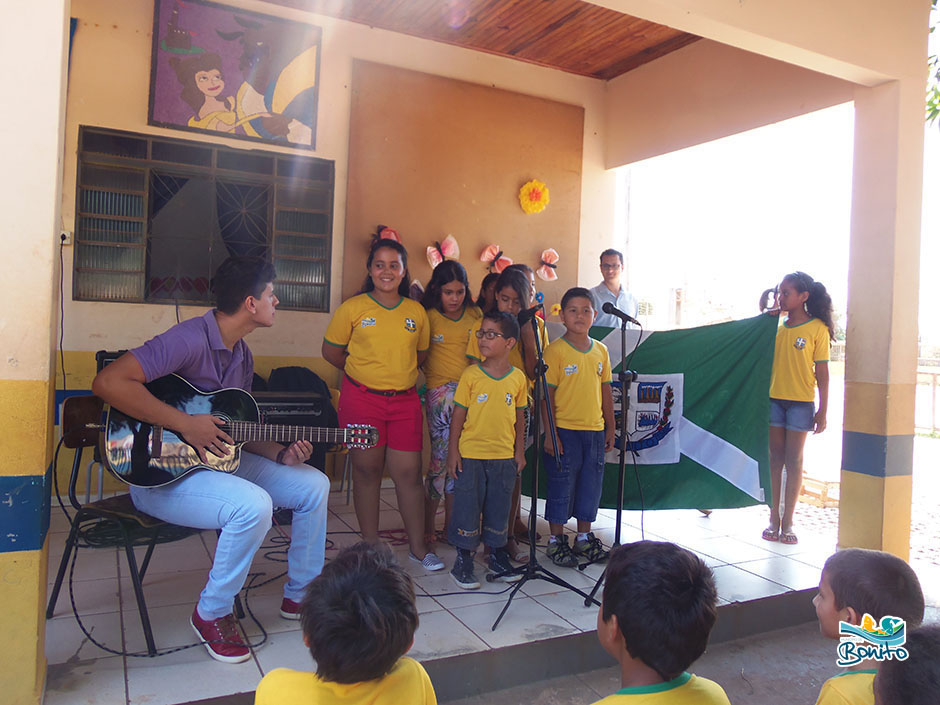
(279, 163)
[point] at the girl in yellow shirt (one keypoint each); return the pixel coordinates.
(801, 363)
(378, 339)
(452, 316)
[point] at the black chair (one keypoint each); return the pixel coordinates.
(81, 428)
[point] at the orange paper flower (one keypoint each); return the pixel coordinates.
(533, 197)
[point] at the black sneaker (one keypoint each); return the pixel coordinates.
(560, 552)
(462, 572)
(499, 563)
(591, 548)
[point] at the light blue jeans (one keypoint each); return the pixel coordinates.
(240, 504)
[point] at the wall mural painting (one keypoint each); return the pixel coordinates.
(242, 74)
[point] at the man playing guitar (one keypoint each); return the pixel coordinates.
(210, 353)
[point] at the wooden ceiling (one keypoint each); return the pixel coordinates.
(569, 35)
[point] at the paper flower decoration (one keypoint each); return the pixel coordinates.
(439, 251)
(533, 197)
(546, 272)
(383, 233)
(556, 309)
(493, 256)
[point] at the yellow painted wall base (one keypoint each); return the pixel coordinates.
(881, 513)
(26, 409)
(22, 624)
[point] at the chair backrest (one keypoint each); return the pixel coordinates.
(81, 428)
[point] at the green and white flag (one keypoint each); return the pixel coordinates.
(697, 419)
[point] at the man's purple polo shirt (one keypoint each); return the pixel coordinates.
(194, 350)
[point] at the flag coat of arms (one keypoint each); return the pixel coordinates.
(697, 418)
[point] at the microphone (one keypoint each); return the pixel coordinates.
(528, 314)
(614, 311)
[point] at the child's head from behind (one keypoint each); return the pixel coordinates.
(856, 582)
(359, 615)
(577, 310)
(659, 606)
(915, 680)
(498, 334)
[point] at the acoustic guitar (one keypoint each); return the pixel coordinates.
(144, 455)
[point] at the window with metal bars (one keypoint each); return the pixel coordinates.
(154, 217)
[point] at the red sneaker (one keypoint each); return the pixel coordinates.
(290, 609)
(221, 637)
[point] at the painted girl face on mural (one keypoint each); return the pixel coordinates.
(209, 82)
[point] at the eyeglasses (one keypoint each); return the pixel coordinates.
(611, 266)
(489, 334)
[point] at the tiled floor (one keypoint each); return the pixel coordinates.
(453, 621)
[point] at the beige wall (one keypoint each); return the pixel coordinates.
(108, 87)
(863, 41)
(706, 91)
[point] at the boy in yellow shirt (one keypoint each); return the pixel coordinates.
(358, 619)
(486, 449)
(578, 379)
(856, 582)
(659, 607)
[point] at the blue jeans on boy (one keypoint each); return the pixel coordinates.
(482, 486)
(574, 486)
(240, 504)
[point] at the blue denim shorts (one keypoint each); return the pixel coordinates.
(574, 486)
(792, 415)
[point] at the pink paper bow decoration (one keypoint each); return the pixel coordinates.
(549, 262)
(493, 256)
(439, 251)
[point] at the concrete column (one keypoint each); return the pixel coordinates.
(881, 335)
(34, 48)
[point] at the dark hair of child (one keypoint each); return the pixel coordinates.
(665, 601)
(508, 324)
(915, 680)
(520, 267)
(359, 615)
(610, 251)
(819, 303)
(405, 284)
(491, 277)
(446, 272)
(237, 278)
(875, 583)
(576, 292)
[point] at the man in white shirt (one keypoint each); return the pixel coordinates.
(610, 290)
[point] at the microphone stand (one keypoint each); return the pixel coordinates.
(626, 378)
(532, 570)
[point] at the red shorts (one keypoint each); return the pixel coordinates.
(398, 418)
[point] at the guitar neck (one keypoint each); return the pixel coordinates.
(246, 431)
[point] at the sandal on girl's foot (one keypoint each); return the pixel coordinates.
(770, 534)
(523, 536)
(515, 552)
(788, 538)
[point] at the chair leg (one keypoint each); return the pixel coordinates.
(138, 592)
(347, 476)
(63, 564)
(147, 555)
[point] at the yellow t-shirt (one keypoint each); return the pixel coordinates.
(447, 358)
(577, 377)
(407, 682)
(489, 433)
(383, 343)
(515, 355)
(796, 352)
(849, 688)
(686, 689)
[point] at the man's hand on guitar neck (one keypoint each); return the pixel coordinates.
(202, 432)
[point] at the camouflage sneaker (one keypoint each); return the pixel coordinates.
(560, 552)
(591, 548)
